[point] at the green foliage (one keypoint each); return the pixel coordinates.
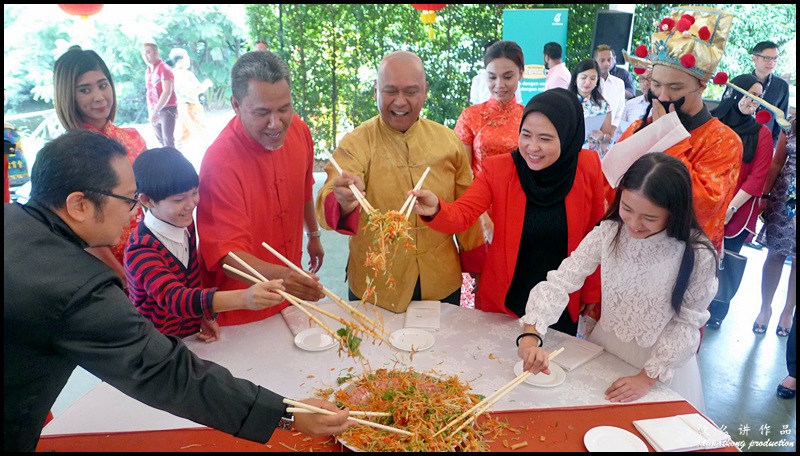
(37, 35)
(333, 50)
(752, 23)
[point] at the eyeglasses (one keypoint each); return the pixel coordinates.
(768, 58)
(134, 201)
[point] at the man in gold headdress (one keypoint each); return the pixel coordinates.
(385, 157)
(684, 55)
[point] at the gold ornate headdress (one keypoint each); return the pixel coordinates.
(692, 39)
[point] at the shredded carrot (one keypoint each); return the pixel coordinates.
(390, 229)
(419, 403)
(517, 446)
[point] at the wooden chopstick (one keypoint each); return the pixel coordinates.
(341, 302)
(362, 200)
(328, 412)
(409, 203)
(285, 295)
(480, 407)
(352, 412)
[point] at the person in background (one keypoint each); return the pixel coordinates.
(546, 196)
(624, 75)
(261, 45)
(161, 257)
(638, 108)
(712, 151)
(479, 89)
(162, 102)
(384, 157)
(584, 85)
(611, 87)
(558, 74)
(787, 389)
(63, 308)
(659, 274)
(257, 186)
(740, 220)
(491, 128)
(776, 89)
(84, 98)
(779, 236)
(191, 115)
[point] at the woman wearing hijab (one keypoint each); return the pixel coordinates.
(545, 196)
(737, 112)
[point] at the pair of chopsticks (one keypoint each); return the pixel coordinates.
(311, 409)
(362, 200)
(297, 302)
(408, 205)
(367, 324)
(489, 401)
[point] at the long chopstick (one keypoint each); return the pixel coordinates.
(328, 412)
(285, 295)
(362, 200)
(376, 328)
(480, 406)
(352, 412)
(409, 203)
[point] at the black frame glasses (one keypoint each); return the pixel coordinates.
(134, 201)
(768, 58)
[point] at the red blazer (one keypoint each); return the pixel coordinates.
(498, 186)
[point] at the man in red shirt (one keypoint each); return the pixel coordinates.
(162, 103)
(256, 185)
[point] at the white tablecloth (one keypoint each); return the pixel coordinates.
(477, 346)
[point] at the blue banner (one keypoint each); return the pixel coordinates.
(532, 29)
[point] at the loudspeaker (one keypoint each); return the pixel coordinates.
(613, 28)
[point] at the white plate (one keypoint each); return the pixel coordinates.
(314, 339)
(614, 439)
(409, 339)
(556, 377)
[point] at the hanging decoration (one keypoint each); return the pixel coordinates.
(428, 14)
(84, 11)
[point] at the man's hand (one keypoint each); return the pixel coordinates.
(315, 253)
(318, 424)
(298, 285)
(344, 195)
(658, 110)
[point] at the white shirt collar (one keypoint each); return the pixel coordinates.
(171, 232)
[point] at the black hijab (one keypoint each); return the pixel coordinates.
(744, 125)
(551, 185)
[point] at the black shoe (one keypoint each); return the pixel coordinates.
(713, 324)
(754, 245)
(786, 393)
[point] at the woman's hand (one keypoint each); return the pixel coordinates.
(209, 330)
(628, 389)
(534, 358)
(427, 202)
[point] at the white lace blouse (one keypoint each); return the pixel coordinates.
(637, 281)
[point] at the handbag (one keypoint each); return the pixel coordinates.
(729, 275)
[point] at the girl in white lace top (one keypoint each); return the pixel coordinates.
(658, 278)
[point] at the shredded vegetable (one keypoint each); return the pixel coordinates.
(390, 228)
(419, 403)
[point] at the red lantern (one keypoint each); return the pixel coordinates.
(428, 14)
(84, 11)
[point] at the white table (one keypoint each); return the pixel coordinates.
(477, 346)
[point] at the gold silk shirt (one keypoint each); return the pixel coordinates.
(391, 163)
(713, 155)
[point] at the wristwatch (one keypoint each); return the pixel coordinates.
(311, 234)
(287, 421)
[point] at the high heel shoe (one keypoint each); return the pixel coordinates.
(782, 332)
(786, 393)
(762, 329)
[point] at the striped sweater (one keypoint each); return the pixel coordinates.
(162, 289)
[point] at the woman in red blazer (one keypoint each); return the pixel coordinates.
(545, 197)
